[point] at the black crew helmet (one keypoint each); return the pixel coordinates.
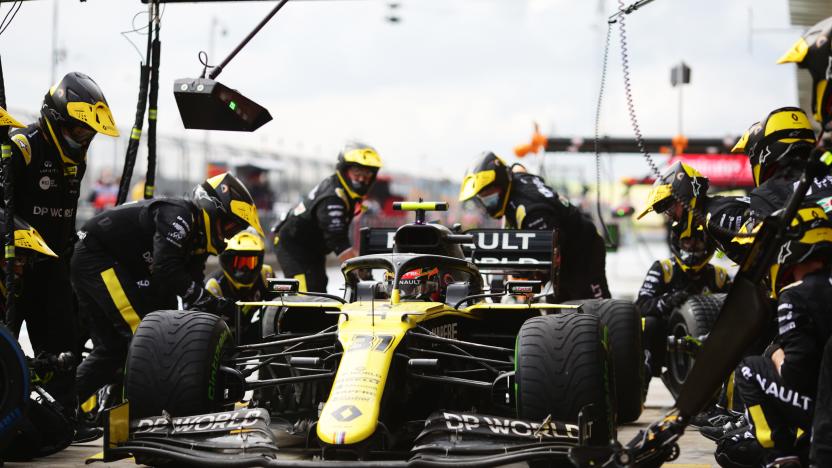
(691, 251)
(808, 237)
(812, 52)
(784, 138)
(490, 172)
(678, 183)
(227, 208)
(73, 111)
(361, 155)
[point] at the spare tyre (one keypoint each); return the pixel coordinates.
(561, 367)
(173, 364)
(688, 323)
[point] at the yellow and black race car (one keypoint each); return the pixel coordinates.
(417, 364)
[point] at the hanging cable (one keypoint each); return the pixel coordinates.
(141, 105)
(150, 176)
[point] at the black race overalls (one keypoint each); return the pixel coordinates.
(318, 225)
(132, 260)
(780, 405)
(533, 205)
(219, 285)
(723, 218)
(46, 189)
(664, 278)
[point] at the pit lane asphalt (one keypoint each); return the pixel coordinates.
(697, 451)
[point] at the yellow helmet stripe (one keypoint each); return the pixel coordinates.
(364, 157)
(815, 236)
(6, 120)
(819, 90)
(31, 239)
(97, 116)
(657, 194)
(473, 183)
(796, 54)
(248, 213)
(741, 143)
(787, 120)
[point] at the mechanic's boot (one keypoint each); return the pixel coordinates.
(791, 461)
(717, 432)
(739, 449)
(84, 433)
(715, 416)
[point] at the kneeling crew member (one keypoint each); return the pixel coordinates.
(671, 281)
(319, 224)
(139, 257)
(242, 277)
(527, 202)
(779, 388)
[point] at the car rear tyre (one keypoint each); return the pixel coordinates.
(561, 366)
(173, 364)
(694, 318)
(623, 323)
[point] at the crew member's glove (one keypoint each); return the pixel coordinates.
(226, 308)
(673, 300)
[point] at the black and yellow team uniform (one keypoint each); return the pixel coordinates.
(149, 255)
(528, 203)
(780, 405)
(130, 261)
(666, 287)
(47, 168)
(534, 205)
(220, 285)
(318, 225)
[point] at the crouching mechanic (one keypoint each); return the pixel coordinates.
(779, 387)
(242, 277)
(145, 256)
(44, 428)
(527, 202)
(671, 281)
(319, 224)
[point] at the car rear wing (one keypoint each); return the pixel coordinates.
(492, 250)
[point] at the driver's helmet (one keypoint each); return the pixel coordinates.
(73, 111)
(489, 182)
(226, 208)
(692, 251)
(783, 138)
(242, 259)
(808, 237)
(812, 52)
(420, 284)
(356, 154)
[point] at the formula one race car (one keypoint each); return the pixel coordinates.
(414, 366)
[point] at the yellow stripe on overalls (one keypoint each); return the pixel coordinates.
(301, 282)
(120, 299)
(761, 427)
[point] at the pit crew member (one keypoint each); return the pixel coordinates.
(526, 202)
(319, 224)
(148, 255)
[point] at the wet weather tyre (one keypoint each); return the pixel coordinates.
(173, 364)
(623, 324)
(694, 318)
(562, 367)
